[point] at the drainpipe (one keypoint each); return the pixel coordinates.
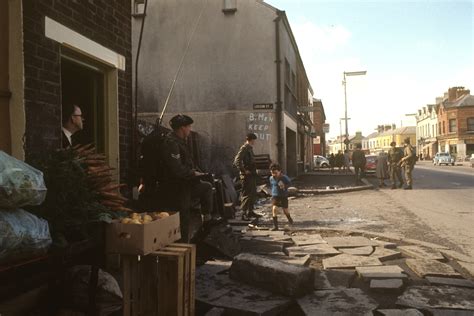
(279, 109)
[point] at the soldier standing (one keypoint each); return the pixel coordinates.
(245, 162)
(408, 162)
(394, 157)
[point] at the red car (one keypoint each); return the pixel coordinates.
(370, 164)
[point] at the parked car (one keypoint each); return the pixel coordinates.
(370, 164)
(320, 162)
(443, 158)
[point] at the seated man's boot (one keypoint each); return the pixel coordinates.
(275, 223)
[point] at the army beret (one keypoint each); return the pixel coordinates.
(180, 120)
(251, 136)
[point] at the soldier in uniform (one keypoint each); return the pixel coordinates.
(245, 162)
(394, 157)
(408, 162)
(179, 179)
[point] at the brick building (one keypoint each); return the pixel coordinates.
(319, 120)
(456, 123)
(58, 52)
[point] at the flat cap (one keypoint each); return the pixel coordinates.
(251, 136)
(180, 120)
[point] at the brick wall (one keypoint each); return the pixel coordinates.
(105, 22)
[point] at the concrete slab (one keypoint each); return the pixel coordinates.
(286, 241)
(236, 298)
(423, 267)
(333, 279)
(420, 252)
(264, 233)
(386, 285)
(337, 302)
(344, 261)
(349, 242)
(318, 249)
(299, 261)
(272, 275)
(467, 267)
(424, 297)
(450, 254)
(385, 244)
(305, 240)
(384, 254)
(451, 281)
(358, 251)
(254, 245)
(398, 312)
(381, 272)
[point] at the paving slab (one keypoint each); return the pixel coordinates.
(384, 254)
(286, 241)
(436, 297)
(451, 281)
(333, 279)
(300, 261)
(424, 267)
(358, 251)
(318, 249)
(337, 302)
(420, 252)
(450, 312)
(344, 261)
(386, 285)
(254, 245)
(468, 267)
(236, 298)
(264, 233)
(381, 272)
(385, 244)
(350, 242)
(305, 240)
(399, 312)
(451, 254)
(272, 275)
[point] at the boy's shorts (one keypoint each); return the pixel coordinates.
(280, 201)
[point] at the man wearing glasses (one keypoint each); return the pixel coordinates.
(72, 123)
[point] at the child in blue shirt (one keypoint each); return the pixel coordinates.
(279, 183)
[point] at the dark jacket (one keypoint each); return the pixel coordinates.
(358, 159)
(177, 162)
(245, 159)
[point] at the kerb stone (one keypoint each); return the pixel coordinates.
(381, 272)
(272, 275)
(386, 285)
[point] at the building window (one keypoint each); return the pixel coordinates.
(444, 127)
(230, 6)
(452, 126)
(470, 124)
(439, 128)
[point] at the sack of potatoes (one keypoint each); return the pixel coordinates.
(144, 218)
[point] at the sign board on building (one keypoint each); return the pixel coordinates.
(317, 140)
(325, 128)
(306, 109)
(263, 106)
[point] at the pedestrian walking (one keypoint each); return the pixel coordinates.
(381, 170)
(358, 161)
(408, 163)
(339, 160)
(279, 183)
(347, 161)
(332, 162)
(394, 156)
(245, 162)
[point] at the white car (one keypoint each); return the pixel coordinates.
(443, 159)
(320, 162)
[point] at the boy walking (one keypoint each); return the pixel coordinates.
(279, 183)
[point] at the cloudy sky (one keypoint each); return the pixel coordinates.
(413, 51)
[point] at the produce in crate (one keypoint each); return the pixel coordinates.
(144, 218)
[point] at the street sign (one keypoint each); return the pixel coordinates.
(346, 141)
(325, 128)
(263, 106)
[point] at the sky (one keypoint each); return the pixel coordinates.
(413, 51)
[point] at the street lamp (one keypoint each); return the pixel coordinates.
(340, 128)
(349, 73)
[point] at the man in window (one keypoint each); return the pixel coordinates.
(72, 123)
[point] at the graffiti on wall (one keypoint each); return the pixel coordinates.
(259, 124)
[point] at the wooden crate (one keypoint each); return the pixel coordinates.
(161, 283)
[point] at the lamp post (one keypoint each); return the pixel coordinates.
(349, 73)
(340, 128)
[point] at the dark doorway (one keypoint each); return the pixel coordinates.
(290, 152)
(83, 85)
